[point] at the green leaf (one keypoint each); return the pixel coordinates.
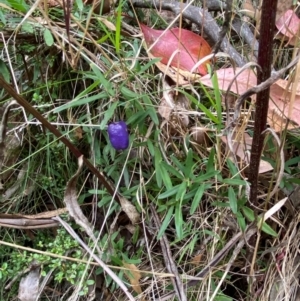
(265, 227)
(129, 94)
(19, 5)
(249, 214)
(179, 221)
(234, 182)
(241, 221)
(165, 223)
(148, 65)
(181, 191)
(210, 166)
(81, 101)
(169, 192)
(217, 98)
(48, 37)
(179, 165)
(232, 200)
(188, 169)
(106, 84)
(197, 198)
(118, 28)
(108, 114)
(203, 177)
(157, 162)
(232, 168)
(4, 71)
(268, 229)
(208, 113)
(153, 115)
(165, 177)
(172, 170)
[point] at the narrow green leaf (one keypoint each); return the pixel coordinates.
(188, 169)
(106, 84)
(208, 113)
(172, 170)
(232, 200)
(157, 162)
(218, 102)
(181, 191)
(169, 192)
(249, 214)
(178, 221)
(234, 182)
(129, 94)
(179, 165)
(108, 114)
(165, 223)
(232, 168)
(203, 177)
(197, 198)
(4, 71)
(241, 221)
(118, 28)
(153, 115)
(80, 101)
(148, 65)
(265, 227)
(268, 229)
(166, 178)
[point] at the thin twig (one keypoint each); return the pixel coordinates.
(251, 230)
(170, 264)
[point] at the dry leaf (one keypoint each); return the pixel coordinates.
(200, 135)
(29, 285)
(172, 105)
(130, 210)
(133, 276)
(288, 86)
(288, 25)
(189, 46)
(242, 148)
(279, 104)
(197, 259)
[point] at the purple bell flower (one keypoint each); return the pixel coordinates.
(118, 135)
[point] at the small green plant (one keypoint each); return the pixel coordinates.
(63, 270)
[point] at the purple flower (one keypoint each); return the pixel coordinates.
(118, 135)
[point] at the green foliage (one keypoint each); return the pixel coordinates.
(63, 270)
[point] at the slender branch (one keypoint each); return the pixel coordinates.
(24, 103)
(265, 59)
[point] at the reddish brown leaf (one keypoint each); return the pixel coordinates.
(191, 47)
(288, 25)
(280, 95)
(244, 81)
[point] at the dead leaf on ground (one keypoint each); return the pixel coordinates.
(130, 210)
(134, 276)
(279, 104)
(288, 25)
(172, 105)
(242, 147)
(244, 81)
(29, 285)
(288, 86)
(180, 77)
(189, 46)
